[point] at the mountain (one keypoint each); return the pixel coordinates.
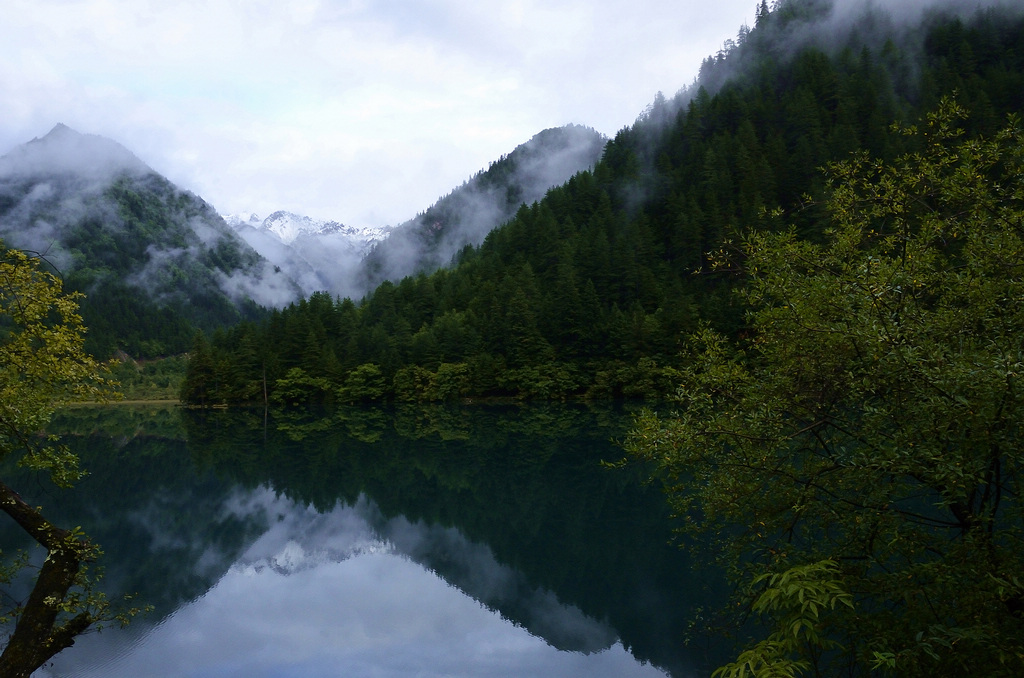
(349, 262)
(319, 255)
(591, 290)
(288, 227)
(65, 152)
(154, 262)
(491, 197)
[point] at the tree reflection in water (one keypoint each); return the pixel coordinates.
(477, 535)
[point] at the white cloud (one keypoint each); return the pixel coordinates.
(364, 112)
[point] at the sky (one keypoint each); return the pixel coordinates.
(361, 111)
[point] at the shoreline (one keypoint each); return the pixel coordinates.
(99, 403)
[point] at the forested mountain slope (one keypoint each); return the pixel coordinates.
(591, 290)
(491, 197)
(155, 262)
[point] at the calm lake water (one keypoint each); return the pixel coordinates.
(413, 541)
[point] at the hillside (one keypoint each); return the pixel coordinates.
(490, 198)
(155, 262)
(591, 290)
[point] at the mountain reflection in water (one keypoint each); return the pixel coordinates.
(444, 541)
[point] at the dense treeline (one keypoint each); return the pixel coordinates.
(856, 453)
(589, 291)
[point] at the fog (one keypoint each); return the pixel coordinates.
(52, 187)
(350, 262)
(466, 215)
(64, 151)
(285, 257)
(837, 24)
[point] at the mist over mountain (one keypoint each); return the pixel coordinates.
(154, 261)
(63, 152)
(288, 227)
(897, 28)
(810, 83)
(319, 255)
(491, 197)
(350, 262)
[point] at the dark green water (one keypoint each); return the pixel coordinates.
(438, 541)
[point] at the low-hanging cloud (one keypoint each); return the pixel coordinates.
(65, 152)
(316, 263)
(832, 25)
(467, 214)
(265, 285)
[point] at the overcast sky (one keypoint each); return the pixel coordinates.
(357, 110)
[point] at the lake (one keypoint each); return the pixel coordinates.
(413, 540)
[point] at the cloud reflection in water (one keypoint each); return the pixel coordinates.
(349, 593)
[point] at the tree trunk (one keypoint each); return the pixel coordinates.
(39, 633)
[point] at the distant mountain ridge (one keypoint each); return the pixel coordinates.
(288, 226)
(157, 262)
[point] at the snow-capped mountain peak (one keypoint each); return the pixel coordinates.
(318, 254)
(288, 226)
(236, 221)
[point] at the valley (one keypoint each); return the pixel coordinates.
(790, 292)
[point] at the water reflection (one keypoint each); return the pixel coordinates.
(330, 594)
(443, 541)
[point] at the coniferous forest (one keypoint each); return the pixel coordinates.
(590, 291)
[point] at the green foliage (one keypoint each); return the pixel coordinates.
(298, 388)
(134, 248)
(451, 381)
(364, 383)
(547, 381)
(413, 383)
(869, 414)
(42, 363)
(43, 366)
(201, 385)
(150, 380)
(794, 601)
